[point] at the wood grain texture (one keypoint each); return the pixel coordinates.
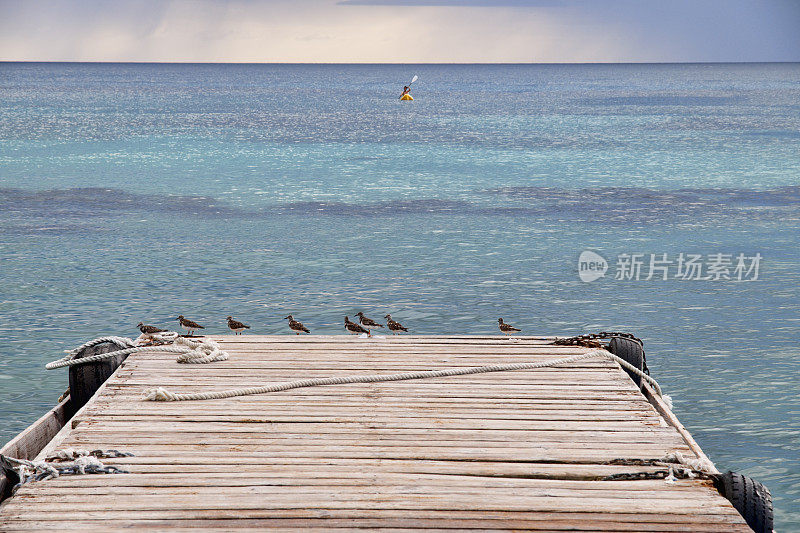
(524, 450)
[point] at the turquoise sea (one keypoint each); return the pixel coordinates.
(135, 192)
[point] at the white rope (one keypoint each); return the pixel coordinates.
(697, 464)
(119, 341)
(24, 465)
(198, 352)
(162, 395)
(72, 357)
(42, 471)
(190, 352)
(80, 462)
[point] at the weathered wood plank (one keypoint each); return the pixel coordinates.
(385, 498)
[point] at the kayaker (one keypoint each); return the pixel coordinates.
(406, 90)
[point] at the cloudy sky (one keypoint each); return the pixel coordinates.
(400, 30)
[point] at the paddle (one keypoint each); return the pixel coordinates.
(415, 78)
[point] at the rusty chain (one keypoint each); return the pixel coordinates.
(679, 472)
(71, 454)
(593, 340)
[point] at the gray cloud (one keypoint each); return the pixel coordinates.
(460, 3)
(400, 30)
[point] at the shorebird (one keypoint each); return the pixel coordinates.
(354, 328)
(188, 325)
(149, 330)
(368, 322)
(296, 326)
(394, 327)
(508, 329)
(236, 326)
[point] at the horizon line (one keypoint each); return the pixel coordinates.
(2, 61)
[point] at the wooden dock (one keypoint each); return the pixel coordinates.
(521, 450)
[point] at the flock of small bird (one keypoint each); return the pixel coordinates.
(364, 325)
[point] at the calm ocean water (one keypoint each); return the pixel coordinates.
(137, 192)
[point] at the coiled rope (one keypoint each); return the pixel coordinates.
(188, 350)
(162, 395)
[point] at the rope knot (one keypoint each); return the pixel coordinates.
(160, 394)
(698, 464)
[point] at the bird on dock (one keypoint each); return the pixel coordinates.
(508, 329)
(296, 326)
(354, 328)
(236, 326)
(189, 325)
(368, 322)
(149, 330)
(394, 327)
